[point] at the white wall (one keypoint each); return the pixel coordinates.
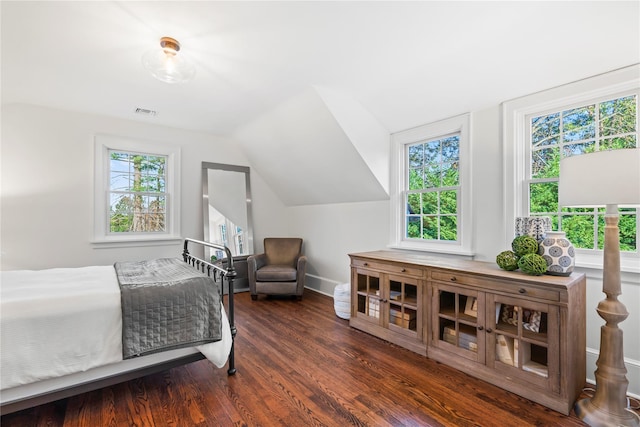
(331, 232)
(47, 186)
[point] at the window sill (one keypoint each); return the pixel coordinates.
(443, 249)
(135, 241)
(629, 263)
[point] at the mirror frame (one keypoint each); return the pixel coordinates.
(206, 166)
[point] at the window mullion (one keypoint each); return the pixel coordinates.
(597, 137)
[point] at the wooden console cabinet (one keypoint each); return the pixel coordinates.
(523, 333)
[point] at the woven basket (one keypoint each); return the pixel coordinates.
(342, 300)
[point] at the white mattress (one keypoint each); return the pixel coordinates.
(62, 321)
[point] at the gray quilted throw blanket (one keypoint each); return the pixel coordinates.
(166, 304)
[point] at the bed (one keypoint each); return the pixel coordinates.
(67, 331)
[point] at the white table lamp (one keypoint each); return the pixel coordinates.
(609, 178)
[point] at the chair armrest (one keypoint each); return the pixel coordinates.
(301, 266)
(254, 262)
(257, 261)
(301, 263)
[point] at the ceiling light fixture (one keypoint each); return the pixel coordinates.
(166, 65)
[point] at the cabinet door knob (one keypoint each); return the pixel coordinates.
(522, 290)
(453, 278)
(489, 330)
(365, 264)
(480, 328)
(403, 270)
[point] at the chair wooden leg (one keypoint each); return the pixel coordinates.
(254, 297)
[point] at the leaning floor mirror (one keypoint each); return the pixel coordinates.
(226, 197)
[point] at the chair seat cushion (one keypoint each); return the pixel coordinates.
(276, 273)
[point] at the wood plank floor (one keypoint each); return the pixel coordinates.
(299, 365)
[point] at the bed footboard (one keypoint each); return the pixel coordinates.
(216, 271)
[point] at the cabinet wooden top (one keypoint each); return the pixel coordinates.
(464, 266)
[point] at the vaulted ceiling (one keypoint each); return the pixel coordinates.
(291, 81)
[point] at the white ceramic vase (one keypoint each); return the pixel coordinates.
(534, 226)
(559, 253)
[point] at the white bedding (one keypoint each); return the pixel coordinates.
(61, 321)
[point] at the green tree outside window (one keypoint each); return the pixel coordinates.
(137, 192)
(608, 125)
(433, 188)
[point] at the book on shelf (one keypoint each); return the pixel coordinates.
(406, 319)
(465, 337)
(395, 295)
(461, 338)
(510, 314)
(469, 345)
(465, 332)
(536, 368)
(405, 323)
(408, 315)
(471, 307)
(410, 299)
(531, 320)
(373, 308)
(507, 350)
(452, 339)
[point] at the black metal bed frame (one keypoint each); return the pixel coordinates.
(211, 270)
(214, 270)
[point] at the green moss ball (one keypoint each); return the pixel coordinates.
(523, 245)
(532, 264)
(507, 260)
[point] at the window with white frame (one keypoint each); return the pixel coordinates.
(136, 191)
(598, 113)
(606, 124)
(431, 193)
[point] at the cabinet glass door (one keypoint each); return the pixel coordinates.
(522, 339)
(456, 324)
(404, 294)
(368, 294)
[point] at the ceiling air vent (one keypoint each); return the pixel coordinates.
(146, 112)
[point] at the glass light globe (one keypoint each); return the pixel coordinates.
(166, 64)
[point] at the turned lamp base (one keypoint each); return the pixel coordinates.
(608, 406)
(595, 416)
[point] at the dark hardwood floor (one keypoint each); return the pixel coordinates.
(299, 365)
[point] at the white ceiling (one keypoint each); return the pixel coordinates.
(408, 63)
(405, 63)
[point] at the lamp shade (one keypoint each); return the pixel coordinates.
(600, 178)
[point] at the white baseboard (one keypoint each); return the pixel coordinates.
(321, 284)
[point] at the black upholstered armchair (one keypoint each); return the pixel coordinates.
(280, 270)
